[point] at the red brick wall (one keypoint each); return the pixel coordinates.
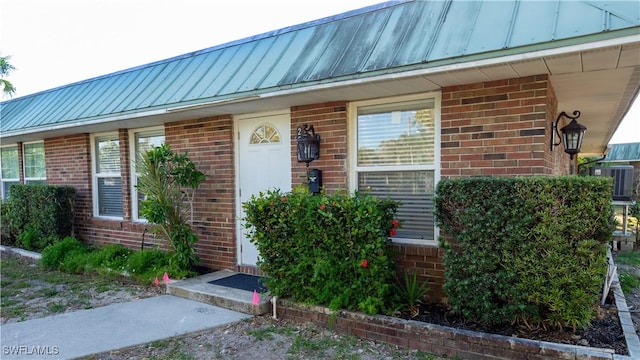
(21, 163)
(329, 121)
(68, 162)
(209, 143)
(495, 128)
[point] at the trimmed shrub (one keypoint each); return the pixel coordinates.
(324, 250)
(525, 249)
(42, 212)
(8, 232)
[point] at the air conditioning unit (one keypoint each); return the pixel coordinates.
(622, 179)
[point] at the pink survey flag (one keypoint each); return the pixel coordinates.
(155, 281)
(165, 277)
(256, 298)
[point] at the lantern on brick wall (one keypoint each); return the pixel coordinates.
(308, 144)
(309, 150)
(572, 134)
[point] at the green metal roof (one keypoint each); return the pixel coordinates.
(624, 152)
(381, 39)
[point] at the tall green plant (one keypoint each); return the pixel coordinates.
(169, 182)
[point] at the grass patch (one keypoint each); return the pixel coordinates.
(628, 281)
(32, 291)
(55, 307)
(325, 347)
(266, 333)
(629, 257)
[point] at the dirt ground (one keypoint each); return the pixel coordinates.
(42, 293)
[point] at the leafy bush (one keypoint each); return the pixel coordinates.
(324, 250)
(8, 232)
(530, 249)
(42, 213)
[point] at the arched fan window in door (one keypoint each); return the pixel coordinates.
(265, 134)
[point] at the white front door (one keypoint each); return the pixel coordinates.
(264, 162)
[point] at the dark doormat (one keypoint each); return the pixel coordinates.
(242, 282)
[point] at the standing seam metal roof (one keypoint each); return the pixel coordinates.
(624, 152)
(387, 38)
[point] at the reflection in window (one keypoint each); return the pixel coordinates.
(34, 167)
(265, 134)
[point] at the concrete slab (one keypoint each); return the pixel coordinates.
(199, 289)
(86, 332)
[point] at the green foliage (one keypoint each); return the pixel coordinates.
(64, 255)
(8, 89)
(8, 233)
(168, 182)
(113, 257)
(38, 214)
(410, 293)
(530, 249)
(146, 265)
(629, 257)
(628, 281)
(73, 256)
(325, 250)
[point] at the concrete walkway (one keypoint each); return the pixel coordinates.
(86, 332)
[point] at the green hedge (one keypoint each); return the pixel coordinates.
(325, 250)
(525, 249)
(41, 212)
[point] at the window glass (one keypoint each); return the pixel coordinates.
(265, 134)
(108, 154)
(396, 136)
(10, 168)
(108, 182)
(34, 166)
(395, 158)
(414, 189)
(143, 142)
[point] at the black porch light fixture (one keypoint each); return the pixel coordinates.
(308, 144)
(572, 134)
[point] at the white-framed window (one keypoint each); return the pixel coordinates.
(107, 180)
(34, 165)
(141, 140)
(10, 165)
(395, 153)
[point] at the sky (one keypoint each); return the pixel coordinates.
(57, 42)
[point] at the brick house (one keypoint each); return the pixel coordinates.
(402, 94)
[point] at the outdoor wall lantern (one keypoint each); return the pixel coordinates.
(572, 134)
(308, 144)
(309, 150)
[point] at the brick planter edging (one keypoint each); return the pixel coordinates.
(436, 339)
